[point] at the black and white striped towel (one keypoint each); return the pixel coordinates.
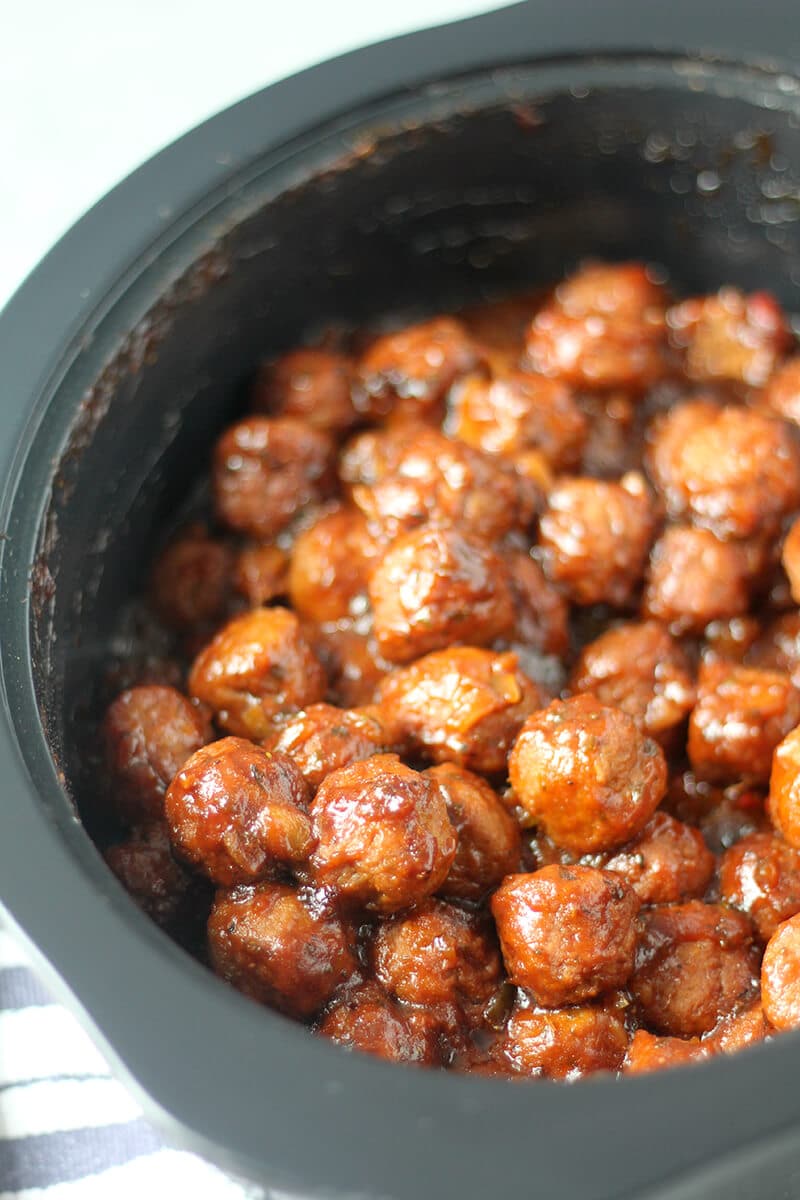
(68, 1130)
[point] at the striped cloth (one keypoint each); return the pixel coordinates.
(68, 1130)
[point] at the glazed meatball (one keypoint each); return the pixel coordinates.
(416, 365)
(604, 328)
(780, 976)
(191, 580)
(440, 958)
(489, 842)
(434, 587)
(695, 962)
(566, 1043)
(738, 1030)
(729, 470)
(384, 839)
(261, 573)
(760, 876)
(313, 385)
(160, 887)
(239, 813)
(595, 537)
(149, 733)
(694, 579)
(370, 456)
(354, 665)
(330, 566)
(434, 480)
(258, 664)
(323, 738)
(266, 469)
(781, 395)
(669, 861)
(647, 1052)
(369, 1021)
(784, 789)
(730, 336)
(740, 717)
(278, 949)
(586, 775)
(541, 613)
(519, 411)
(790, 557)
(462, 705)
(638, 668)
(567, 933)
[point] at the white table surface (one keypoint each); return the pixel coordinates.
(91, 88)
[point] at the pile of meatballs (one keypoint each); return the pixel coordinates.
(478, 746)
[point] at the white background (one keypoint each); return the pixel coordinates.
(91, 88)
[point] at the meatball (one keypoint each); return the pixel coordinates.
(565, 1043)
(384, 838)
(730, 336)
(519, 411)
(638, 668)
(790, 557)
(191, 580)
(313, 385)
(330, 566)
(780, 976)
(370, 456)
(440, 958)
(738, 1030)
(349, 653)
(740, 717)
(462, 705)
(149, 732)
(694, 579)
(369, 1021)
(261, 573)
(323, 738)
(434, 587)
(144, 865)
(416, 365)
(489, 843)
(784, 789)
(760, 876)
(781, 395)
(567, 933)
(586, 775)
(604, 328)
(669, 861)
(259, 664)
(278, 949)
(595, 537)
(266, 469)
(695, 962)
(437, 481)
(239, 813)
(647, 1052)
(729, 470)
(541, 613)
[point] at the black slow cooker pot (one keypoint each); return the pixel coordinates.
(453, 163)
